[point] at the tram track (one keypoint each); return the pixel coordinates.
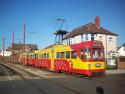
(45, 79)
(99, 79)
(6, 71)
(93, 79)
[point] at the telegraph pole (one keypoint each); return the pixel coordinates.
(13, 46)
(3, 39)
(24, 35)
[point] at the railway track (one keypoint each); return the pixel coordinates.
(79, 78)
(6, 72)
(17, 69)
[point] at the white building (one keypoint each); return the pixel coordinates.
(5, 53)
(121, 50)
(93, 31)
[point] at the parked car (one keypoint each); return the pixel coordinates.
(111, 62)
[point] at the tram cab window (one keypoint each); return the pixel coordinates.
(81, 54)
(87, 53)
(67, 54)
(74, 55)
(97, 53)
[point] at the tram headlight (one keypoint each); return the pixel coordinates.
(89, 66)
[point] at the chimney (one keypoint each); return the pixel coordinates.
(97, 21)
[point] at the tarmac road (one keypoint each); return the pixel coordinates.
(54, 83)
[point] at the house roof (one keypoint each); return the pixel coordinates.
(19, 46)
(123, 45)
(87, 29)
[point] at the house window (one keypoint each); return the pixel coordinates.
(92, 36)
(82, 38)
(110, 40)
(86, 37)
(100, 38)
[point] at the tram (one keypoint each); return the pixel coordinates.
(86, 58)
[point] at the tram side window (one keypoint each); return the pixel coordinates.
(74, 55)
(40, 55)
(36, 55)
(47, 55)
(31, 56)
(62, 55)
(44, 55)
(58, 55)
(67, 54)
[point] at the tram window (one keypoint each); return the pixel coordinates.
(81, 54)
(67, 54)
(74, 55)
(58, 55)
(87, 53)
(97, 53)
(62, 55)
(36, 56)
(40, 56)
(47, 55)
(31, 56)
(44, 55)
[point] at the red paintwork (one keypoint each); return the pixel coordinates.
(45, 63)
(78, 46)
(88, 72)
(62, 64)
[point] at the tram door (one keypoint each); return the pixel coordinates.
(52, 59)
(74, 57)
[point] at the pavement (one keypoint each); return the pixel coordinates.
(116, 71)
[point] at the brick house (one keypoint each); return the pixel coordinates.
(17, 49)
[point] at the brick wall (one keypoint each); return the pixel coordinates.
(121, 65)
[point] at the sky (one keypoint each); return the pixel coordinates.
(40, 18)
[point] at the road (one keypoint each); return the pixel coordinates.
(29, 80)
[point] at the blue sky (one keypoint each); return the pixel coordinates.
(40, 17)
